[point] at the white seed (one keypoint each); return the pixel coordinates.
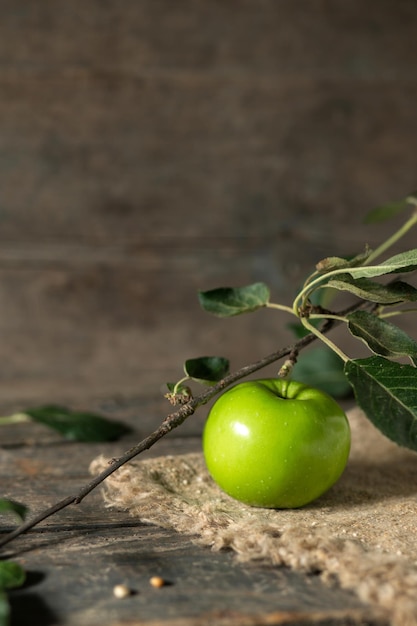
(121, 591)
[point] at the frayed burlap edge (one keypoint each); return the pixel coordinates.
(360, 535)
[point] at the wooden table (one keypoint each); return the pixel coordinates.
(150, 149)
(75, 558)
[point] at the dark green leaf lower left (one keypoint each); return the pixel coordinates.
(12, 575)
(78, 426)
(11, 506)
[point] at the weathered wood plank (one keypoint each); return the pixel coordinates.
(157, 34)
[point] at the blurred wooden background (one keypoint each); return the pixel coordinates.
(151, 148)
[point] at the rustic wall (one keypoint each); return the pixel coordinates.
(150, 148)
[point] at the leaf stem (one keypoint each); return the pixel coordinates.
(309, 287)
(327, 316)
(393, 239)
(179, 383)
(280, 307)
(325, 339)
(394, 313)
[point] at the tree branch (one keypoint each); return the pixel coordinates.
(173, 420)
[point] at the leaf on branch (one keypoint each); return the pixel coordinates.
(322, 368)
(230, 301)
(332, 263)
(78, 426)
(403, 262)
(381, 336)
(207, 369)
(12, 575)
(178, 388)
(387, 211)
(374, 292)
(178, 393)
(10, 506)
(387, 393)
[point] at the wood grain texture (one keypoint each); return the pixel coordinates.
(75, 558)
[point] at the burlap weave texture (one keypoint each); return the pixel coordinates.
(361, 535)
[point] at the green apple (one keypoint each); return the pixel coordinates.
(276, 443)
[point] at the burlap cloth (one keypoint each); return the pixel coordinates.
(361, 535)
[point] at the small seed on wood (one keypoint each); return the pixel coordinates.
(157, 581)
(121, 591)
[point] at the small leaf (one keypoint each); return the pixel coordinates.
(177, 388)
(4, 610)
(387, 393)
(403, 262)
(374, 292)
(381, 336)
(207, 369)
(323, 369)
(12, 575)
(78, 426)
(332, 263)
(10, 506)
(387, 211)
(178, 393)
(230, 301)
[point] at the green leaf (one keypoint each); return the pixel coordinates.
(4, 610)
(10, 506)
(78, 426)
(331, 263)
(381, 336)
(230, 301)
(403, 262)
(207, 369)
(323, 369)
(387, 393)
(387, 211)
(374, 292)
(12, 575)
